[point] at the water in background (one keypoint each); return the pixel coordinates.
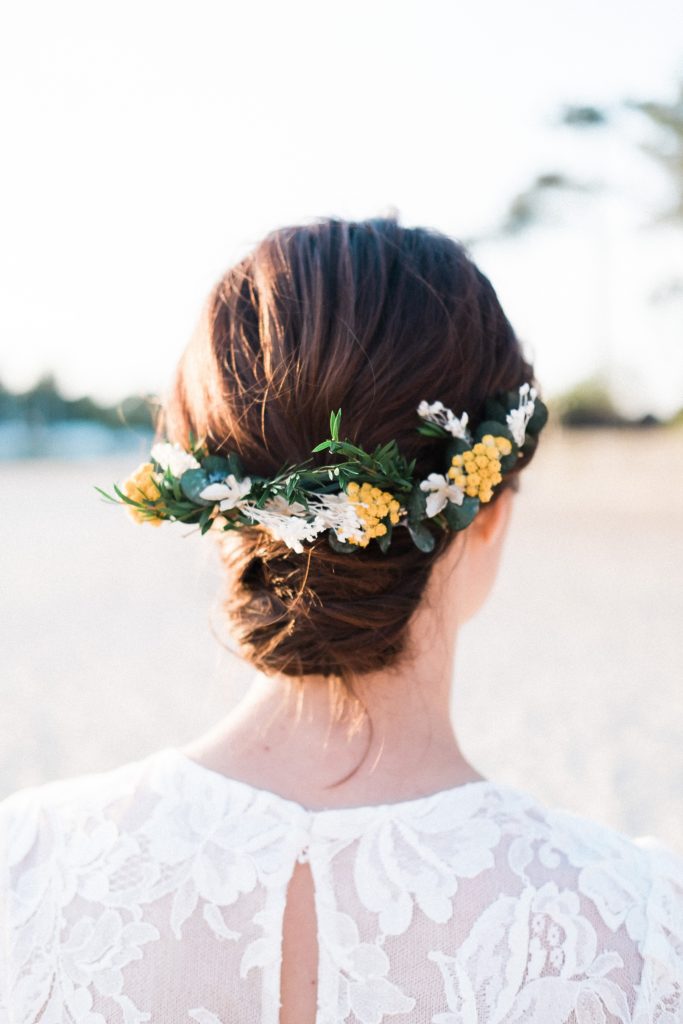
(74, 439)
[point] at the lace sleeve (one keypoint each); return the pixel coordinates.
(660, 994)
(19, 814)
(4, 900)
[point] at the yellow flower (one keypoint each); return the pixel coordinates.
(478, 470)
(141, 486)
(372, 505)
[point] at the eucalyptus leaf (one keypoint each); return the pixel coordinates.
(342, 546)
(217, 467)
(422, 537)
(416, 505)
(508, 462)
(385, 540)
(539, 418)
(235, 466)
(529, 446)
(455, 447)
(495, 410)
(495, 428)
(192, 482)
(460, 516)
(512, 400)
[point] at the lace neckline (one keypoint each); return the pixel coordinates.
(463, 793)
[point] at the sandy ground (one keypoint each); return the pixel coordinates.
(569, 683)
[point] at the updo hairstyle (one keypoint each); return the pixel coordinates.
(369, 317)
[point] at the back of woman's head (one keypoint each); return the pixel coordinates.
(369, 317)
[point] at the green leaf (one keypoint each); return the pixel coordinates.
(432, 430)
(529, 446)
(127, 500)
(511, 400)
(456, 447)
(493, 427)
(192, 482)
(416, 505)
(339, 545)
(205, 520)
(217, 467)
(322, 446)
(335, 420)
(351, 449)
(539, 418)
(508, 462)
(460, 516)
(235, 466)
(422, 537)
(105, 495)
(495, 410)
(176, 489)
(385, 540)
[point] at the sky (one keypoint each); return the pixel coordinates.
(148, 145)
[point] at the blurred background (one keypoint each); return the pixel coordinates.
(147, 147)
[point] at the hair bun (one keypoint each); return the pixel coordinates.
(370, 317)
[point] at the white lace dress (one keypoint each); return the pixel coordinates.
(156, 892)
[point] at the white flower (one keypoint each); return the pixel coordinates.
(438, 413)
(229, 493)
(173, 457)
(283, 507)
(337, 512)
(441, 490)
(291, 528)
(517, 419)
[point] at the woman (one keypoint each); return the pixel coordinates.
(327, 853)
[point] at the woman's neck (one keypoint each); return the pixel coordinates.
(292, 744)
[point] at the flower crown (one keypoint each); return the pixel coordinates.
(359, 498)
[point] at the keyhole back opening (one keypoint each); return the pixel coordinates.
(299, 966)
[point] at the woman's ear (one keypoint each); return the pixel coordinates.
(491, 522)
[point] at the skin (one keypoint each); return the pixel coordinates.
(295, 747)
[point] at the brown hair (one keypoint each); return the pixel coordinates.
(369, 317)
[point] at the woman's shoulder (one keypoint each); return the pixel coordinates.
(629, 889)
(36, 817)
(596, 847)
(635, 881)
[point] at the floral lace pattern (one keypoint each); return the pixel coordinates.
(156, 892)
